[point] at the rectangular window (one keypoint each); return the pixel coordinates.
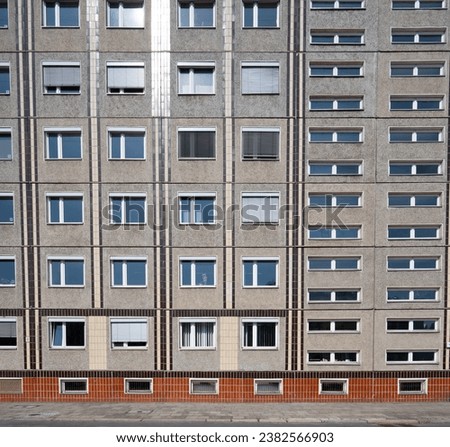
(333, 386)
(335, 200)
(3, 14)
(323, 264)
(7, 271)
(412, 294)
(73, 386)
(130, 272)
(405, 135)
(198, 334)
(203, 386)
(414, 200)
(127, 333)
(138, 386)
(268, 387)
(426, 36)
(261, 14)
(336, 136)
(195, 14)
(419, 325)
(67, 333)
(5, 144)
(394, 263)
(316, 296)
(330, 103)
(333, 325)
(125, 14)
(337, 4)
(197, 143)
(317, 168)
(418, 4)
(260, 272)
(126, 144)
(422, 232)
(260, 143)
(5, 83)
(61, 78)
(261, 333)
(412, 386)
(67, 209)
(197, 209)
(260, 208)
(333, 70)
(128, 209)
(430, 356)
(196, 78)
(402, 103)
(66, 272)
(6, 209)
(333, 357)
(63, 144)
(60, 14)
(336, 37)
(125, 78)
(8, 333)
(260, 78)
(323, 232)
(198, 272)
(415, 168)
(417, 69)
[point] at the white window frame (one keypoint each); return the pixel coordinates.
(191, 196)
(412, 232)
(412, 200)
(61, 196)
(10, 258)
(62, 380)
(333, 233)
(128, 380)
(255, 261)
(415, 132)
(332, 360)
(333, 263)
(257, 382)
(423, 387)
(415, 100)
(336, 103)
(123, 196)
(254, 322)
(411, 325)
(336, 67)
(415, 66)
(337, 35)
(124, 65)
(9, 320)
(417, 5)
(128, 321)
(414, 165)
(58, 14)
(255, 65)
(124, 131)
(334, 167)
(334, 198)
(271, 195)
(192, 385)
(336, 4)
(410, 357)
(417, 33)
(193, 260)
(192, 15)
(333, 326)
(335, 135)
(60, 131)
(63, 260)
(196, 129)
(192, 66)
(64, 333)
(255, 15)
(192, 322)
(121, 3)
(9, 195)
(58, 90)
(6, 65)
(412, 263)
(124, 260)
(8, 131)
(333, 296)
(411, 295)
(345, 387)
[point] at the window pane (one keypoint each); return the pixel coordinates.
(75, 333)
(136, 273)
(425, 136)
(399, 233)
(73, 210)
(344, 200)
(403, 38)
(267, 15)
(320, 200)
(5, 146)
(320, 169)
(398, 325)
(424, 325)
(267, 273)
(348, 71)
(248, 273)
(6, 210)
(55, 272)
(347, 295)
(425, 263)
(349, 104)
(74, 271)
(345, 356)
(117, 273)
(348, 137)
(135, 210)
(4, 80)
(68, 14)
(399, 200)
(322, 38)
(203, 80)
(321, 137)
(319, 326)
(401, 104)
(319, 357)
(426, 356)
(248, 334)
(115, 145)
(430, 38)
(400, 169)
(396, 356)
(204, 210)
(186, 277)
(321, 71)
(260, 80)
(116, 210)
(184, 14)
(424, 294)
(185, 210)
(52, 145)
(345, 326)
(3, 15)
(133, 15)
(57, 334)
(426, 233)
(203, 15)
(204, 273)
(429, 71)
(134, 145)
(319, 295)
(320, 233)
(350, 39)
(400, 263)
(347, 233)
(113, 9)
(50, 14)
(346, 263)
(347, 169)
(398, 295)
(400, 71)
(266, 334)
(7, 272)
(427, 169)
(71, 145)
(319, 264)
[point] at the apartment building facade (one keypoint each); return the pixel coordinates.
(229, 200)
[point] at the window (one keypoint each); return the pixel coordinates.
(412, 294)
(5, 144)
(260, 78)
(333, 386)
(60, 14)
(196, 78)
(125, 14)
(261, 14)
(8, 333)
(195, 14)
(261, 333)
(394, 263)
(130, 209)
(336, 37)
(6, 208)
(417, 69)
(66, 272)
(426, 36)
(335, 168)
(337, 4)
(333, 325)
(316, 295)
(196, 143)
(430, 356)
(412, 386)
(268, 387)
(73, 386)
(67, 209)
(7, 271)
(198, 272)
(61, 78)
(422, 232)
(419, 325)
(203, 386)
(126, 144)
(259, 208)
(5, 86)
(333, 70)
(3, 14)
(322, 264)
(325, 103)
(138, 386)
(63, 144)
(67, 333)
(261, 272)
(323, 232)
(403, 103)
(415, 168)
(335, 135)
(197, 208)
(405, 135)
(128, 333)
(413, 200)
(125, 77)
(260, 143)
(198, 334)
(418, 4)
(334, 200)
(333, 357)
(130, 272)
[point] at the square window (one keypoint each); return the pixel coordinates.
(198, 334)
(128, 209)
(126, 144)
(67, 333)
(198, 272)
(65, 209)
(196, 143)
(125, 78)
(260, 272)
(5, 144)
(5, 84)
(197, 209)
(66, 272)
(125, 14)
(61, 78)
(129, 272)
(260, 143)
(261, 14)
(60, 14)
(127, 333)
(260, 208)
(203, 386)
(194, 14)
(138, 386)
(260, 333)
(8, 333)
(63, 144)
(7, 271)
(260, 78)
(73, 386)
(6, 209)
(196, 78)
